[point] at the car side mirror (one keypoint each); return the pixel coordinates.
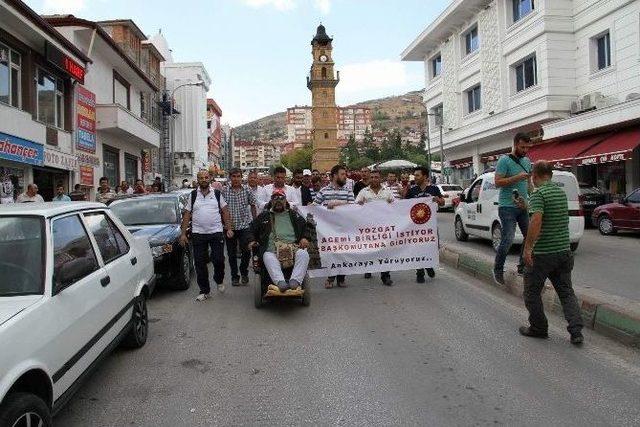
(72, 271)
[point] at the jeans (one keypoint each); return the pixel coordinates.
(509, 217)
(201, 244)
(340, 277)
(301, 262)
(241, 237)
(557, 268)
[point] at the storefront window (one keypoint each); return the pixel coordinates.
(111, 165)
(50, 99)
(10, 62)
(608, 177)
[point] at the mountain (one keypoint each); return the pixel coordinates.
(404, 112)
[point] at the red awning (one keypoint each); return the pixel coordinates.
(563, 153)
(617, 147)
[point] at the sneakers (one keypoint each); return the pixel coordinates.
(283, 286)
(245, 280)
(386, 280)
(235, 282)
(431, 272)
(221, 288)
(367, 275)
(498, 277)
(577, 338)
(202, 297)
(294, 284)
(528, 332)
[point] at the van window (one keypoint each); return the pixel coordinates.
(568, 184)
(475, 191)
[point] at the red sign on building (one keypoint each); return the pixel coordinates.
(86, 120)
(86, 175)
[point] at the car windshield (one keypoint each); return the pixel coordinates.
(21, 263)
(587, 189)
(451, 188)
(147, 211)
(568, 184)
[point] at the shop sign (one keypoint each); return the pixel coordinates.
(88, 159)
(86, 120)
(145, 157)
(62, 61)
(20, 150)
(604, 158)
(86, 175)
(60, 160)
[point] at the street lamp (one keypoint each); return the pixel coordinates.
(168, 142)
(439, 116)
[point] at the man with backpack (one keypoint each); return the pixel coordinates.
(239, 197)
(512, 178)
(208, 214)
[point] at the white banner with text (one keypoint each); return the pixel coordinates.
(375, 237)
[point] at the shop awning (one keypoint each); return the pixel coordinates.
(563, 153)
(617, 147)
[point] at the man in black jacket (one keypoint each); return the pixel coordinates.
(279, 223)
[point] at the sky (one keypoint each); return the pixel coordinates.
(258, 52)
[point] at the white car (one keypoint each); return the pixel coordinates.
(477, 213)
(449, 192)
(74, 285)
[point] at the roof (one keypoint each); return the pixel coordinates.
(321, 36)
(212, 103)
(48, 209)
(72, 21)
(127, 23)
(146, 44)
(45, 26)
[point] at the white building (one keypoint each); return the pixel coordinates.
(124, 94)
(497, 67)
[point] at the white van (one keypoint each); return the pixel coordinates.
(477, 213)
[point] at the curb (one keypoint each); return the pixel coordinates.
(613, 316)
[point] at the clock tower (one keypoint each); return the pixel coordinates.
(322, 82)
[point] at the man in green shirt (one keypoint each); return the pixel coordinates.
(547, 254)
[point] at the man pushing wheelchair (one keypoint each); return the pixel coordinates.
(280, 240)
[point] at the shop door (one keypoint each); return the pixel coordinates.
(47, 181)
(111, 165)
(130, 169)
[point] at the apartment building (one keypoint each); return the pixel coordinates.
(39, 73)
(352, 120)
(299, 126)
(565, 71)
(255, 154)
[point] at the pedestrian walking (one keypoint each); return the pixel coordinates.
(547, 254)
(306, 189)
(30, 196)
(333, 195)
(424, 188)
(512, 178)
(60, 196)
(208, 214)
(375, 192)
(242, 207)
(279, 182)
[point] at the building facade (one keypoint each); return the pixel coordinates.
(353, 120)
(299, 126)
(255, 155)
(124, 84)
(322, 83)
(214, 133)
(497, 67)
(39, 71)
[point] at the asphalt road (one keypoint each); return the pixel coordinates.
(607, 263)
(443, 353)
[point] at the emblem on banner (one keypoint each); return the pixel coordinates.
(420, 213)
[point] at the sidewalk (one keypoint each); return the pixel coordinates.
(611, 315)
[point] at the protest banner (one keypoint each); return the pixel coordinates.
(374, 237)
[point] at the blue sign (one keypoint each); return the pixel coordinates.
(20, 150)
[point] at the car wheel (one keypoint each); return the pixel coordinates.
(24, 409)
(496, 236)
(137, 336)
(461, 235)
(183, 281)
(574, 246)
(258, 296)
(605, 225)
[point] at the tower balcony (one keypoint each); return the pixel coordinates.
(311, 82)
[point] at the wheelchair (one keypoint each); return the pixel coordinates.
(263, 280)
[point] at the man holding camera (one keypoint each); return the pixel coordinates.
(512, 178)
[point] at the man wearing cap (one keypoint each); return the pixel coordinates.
(282, 225)
(305, 190)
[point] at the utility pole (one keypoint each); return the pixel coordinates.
(441, 119)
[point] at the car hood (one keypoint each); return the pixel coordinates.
(609, 206)
(11, 306)
(157, 234)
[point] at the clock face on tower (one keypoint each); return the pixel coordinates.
(323, 58)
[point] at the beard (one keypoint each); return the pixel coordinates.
(279, 207)
(341, 182)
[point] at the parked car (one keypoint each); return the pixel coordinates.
(590, 198)
(623, 215)
(74, 286)
(449, 192)
(158, 217)
(477, 213)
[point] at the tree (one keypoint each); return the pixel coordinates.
(298, 159)
(360, 163)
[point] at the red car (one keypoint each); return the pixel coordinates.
(624, 215)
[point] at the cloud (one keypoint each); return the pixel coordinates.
(324, 6)
(372, 75)
(63, 6)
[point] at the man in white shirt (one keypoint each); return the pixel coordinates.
(208, 214)
(279, 182)
(375, 192)
(31, 195)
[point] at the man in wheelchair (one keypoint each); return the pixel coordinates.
(280, 235)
